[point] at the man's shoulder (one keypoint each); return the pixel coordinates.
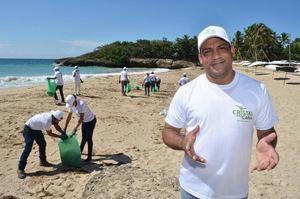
(197, 80)
(247, 83)
(81, 102)
(44, 116)
(245, 79)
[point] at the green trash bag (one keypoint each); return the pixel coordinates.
(51, 87)
(128, 88)
(136, 87)
(70, 153)
(155, 89)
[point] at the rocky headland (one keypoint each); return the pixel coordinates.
(133, 62)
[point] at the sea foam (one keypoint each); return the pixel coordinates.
(20, 81)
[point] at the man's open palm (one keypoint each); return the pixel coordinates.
(189, 141)
(266, 155)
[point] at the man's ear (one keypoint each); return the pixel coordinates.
(199, 58)
(233, 51)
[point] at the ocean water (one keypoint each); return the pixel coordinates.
(30, 72)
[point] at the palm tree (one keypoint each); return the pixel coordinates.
(238, 43)
(262, 42)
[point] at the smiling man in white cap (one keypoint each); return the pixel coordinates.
(87, 121)
(123, 79)
(33, 131)
(219, 110)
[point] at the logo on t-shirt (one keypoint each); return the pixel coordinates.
(242, 113)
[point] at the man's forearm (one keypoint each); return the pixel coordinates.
(172, 138)
(58, 128)
(67, 121)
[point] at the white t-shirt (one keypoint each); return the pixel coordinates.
(147, 79)
(227, 115)
(40, 122)
(183, 81)
(123, 75)
(59, 78)
(152, 77)
(76, 75)
(82, 108)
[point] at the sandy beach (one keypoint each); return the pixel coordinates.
(130, 159)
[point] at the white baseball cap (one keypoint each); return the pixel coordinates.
(209, 32)
(124, 68)
(76, 67)
(56, 68)
(58, 114)
(69, 101)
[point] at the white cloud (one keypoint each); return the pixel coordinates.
(82, 43)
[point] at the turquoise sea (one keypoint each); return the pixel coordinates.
(29, 72)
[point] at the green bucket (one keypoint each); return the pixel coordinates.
(51, 89)
(70, 153)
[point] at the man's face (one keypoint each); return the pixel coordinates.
(216, 56)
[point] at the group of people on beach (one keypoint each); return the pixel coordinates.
(42, 122)
(151, 82)
(219, 110)
(58, 77)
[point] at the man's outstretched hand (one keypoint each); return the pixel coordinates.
(266, 155)
(188, 144)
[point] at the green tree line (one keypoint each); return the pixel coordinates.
(256, 42)
(259, 42)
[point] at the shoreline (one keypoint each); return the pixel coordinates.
(128, 129)
(69, 78)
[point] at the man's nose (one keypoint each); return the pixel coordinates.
(216, 54)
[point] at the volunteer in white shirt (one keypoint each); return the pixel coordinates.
(219, 109)
(147, 84)
(77, 80)
(123, 79)
(183, 80)
(33, 131)
(152, 81)
(87, 120)
(59, 84)
(158, 81)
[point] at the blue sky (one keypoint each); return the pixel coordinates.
(62, 28)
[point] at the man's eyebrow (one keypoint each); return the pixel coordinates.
(206, 48)
(223, 44)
